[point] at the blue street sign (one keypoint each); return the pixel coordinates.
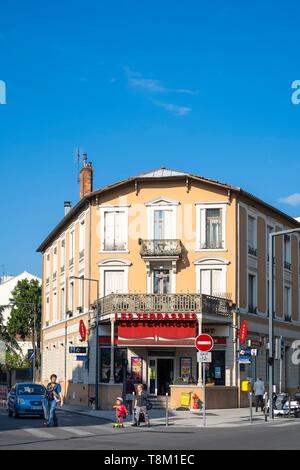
(77, 350)
(245, 359)
(245, 352)
(82, 358)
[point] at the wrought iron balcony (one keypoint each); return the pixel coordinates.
(212, 245)
(288, 265)
(252, 251)
(165, 303)
(160, 248)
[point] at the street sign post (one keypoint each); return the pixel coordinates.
(204, 343)
(205, 357)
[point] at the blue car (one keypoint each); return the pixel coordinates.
(26, 399)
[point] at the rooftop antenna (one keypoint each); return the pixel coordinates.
(78, 156)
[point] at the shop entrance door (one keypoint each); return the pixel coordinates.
(160, 375)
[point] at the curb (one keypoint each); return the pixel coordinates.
(192, 425)
(83, 413)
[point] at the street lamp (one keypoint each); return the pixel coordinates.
(97, 335)
(272, 237)
(34, 305)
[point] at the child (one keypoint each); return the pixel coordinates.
(121, 412)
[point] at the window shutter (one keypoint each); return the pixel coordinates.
(114, 282)
(205, 283)
(120, 242)
(108, 231)
(216, 282)
(167, 224)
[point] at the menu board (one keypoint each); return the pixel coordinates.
(185, 367)
(137, 369)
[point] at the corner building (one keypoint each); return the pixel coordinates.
(165, 255)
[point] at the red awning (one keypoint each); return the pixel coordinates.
(159, 333)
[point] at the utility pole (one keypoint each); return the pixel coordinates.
(97, 336)
(272, 237)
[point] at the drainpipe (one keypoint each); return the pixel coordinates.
(90, 275)
(238, 319)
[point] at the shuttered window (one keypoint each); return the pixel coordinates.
(114, 282)
(211, 281)
(114, 231)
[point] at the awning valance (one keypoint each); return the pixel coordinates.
(159, 333)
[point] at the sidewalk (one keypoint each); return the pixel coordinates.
(214, 418)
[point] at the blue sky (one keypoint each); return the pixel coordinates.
(198, 86)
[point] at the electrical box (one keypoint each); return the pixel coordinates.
(246, 386)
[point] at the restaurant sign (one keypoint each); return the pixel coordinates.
(142, 316)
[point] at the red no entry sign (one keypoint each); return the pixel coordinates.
(204, 343)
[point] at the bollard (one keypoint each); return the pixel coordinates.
(133, 412)
(251, 408)
(289, 415)
(266, 407)
(167, 409)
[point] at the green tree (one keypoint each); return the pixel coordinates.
(25, 320)
(10, 341)
(15, 361)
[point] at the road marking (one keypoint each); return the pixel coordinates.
(78, 432)
(39, 433)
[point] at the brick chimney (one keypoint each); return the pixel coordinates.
(86, 178)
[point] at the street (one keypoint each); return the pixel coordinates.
(79, 432)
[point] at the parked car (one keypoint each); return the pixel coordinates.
(26, 399)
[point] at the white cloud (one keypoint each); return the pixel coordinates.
(152, 87)
(292, 200)
(173, 108)
(136, 80)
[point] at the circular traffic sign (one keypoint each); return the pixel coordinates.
(204, 343)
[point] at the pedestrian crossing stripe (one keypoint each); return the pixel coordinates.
(76, 431)
(39, 433)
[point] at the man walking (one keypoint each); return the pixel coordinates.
(259, 391)
(52, 398)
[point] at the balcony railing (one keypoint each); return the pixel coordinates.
(160, 247)
(81, 254)
(252, 251)
(288, 265)
(165, 303)
(212, 245)
(114, 246)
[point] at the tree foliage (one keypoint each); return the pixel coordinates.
(24, 318)
(15, 361)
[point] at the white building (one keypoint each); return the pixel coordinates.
(7, 285)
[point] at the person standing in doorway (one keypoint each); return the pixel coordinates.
(259, 391)
(141, 406)
(52, 398)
